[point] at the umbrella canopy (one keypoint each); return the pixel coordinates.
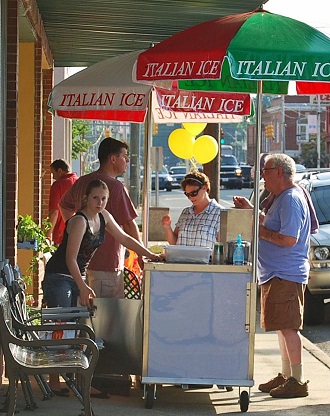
(103, 91)
(259, 45)
(106, 91)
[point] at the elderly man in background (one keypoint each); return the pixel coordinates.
(283, 269)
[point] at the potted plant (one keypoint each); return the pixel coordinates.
(31, 235)
(27, 233)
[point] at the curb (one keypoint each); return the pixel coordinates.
(316, 352)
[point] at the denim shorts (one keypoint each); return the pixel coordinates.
(59, 290)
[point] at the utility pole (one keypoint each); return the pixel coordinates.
(135, 164)
(318, 142)
(212, 169)
(283, 123)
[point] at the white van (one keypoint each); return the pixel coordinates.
(226, 150)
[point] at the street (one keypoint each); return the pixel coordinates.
(320, 334)
(176, 201)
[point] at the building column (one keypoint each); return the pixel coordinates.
(47, 140)
(11, 150)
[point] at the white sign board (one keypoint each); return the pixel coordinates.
(157, 158)
(312, 124)
(324, 99)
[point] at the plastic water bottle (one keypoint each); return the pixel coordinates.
(238, 256)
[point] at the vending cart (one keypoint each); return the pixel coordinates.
(199, 327)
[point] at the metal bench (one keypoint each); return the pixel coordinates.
(37, 357)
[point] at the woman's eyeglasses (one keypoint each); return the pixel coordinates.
(194, 193)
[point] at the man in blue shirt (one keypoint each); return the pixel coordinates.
(283, 269)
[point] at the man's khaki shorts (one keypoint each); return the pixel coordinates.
(107, 284)
(282, 305)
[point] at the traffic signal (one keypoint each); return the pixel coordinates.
(222, 136)
(269, 131)
(155, 129)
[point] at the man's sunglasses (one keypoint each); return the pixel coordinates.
(194, 193)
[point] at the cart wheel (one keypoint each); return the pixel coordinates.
(229, 388)
(244, 401)
(150, 395)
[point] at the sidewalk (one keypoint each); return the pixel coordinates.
(175, 401)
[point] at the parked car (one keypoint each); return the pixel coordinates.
(318, 288)
(166, 181)
(300, 168)
(230, 173)
(317, 183)
(178, 173)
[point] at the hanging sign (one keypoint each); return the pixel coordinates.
(171, 115)
(312, 124)
(324, 99)
(204, 102)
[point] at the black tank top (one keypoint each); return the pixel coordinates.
(90, 242)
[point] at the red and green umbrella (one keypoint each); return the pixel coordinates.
(258, 45)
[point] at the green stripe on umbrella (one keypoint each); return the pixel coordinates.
(229, 84)
(259, 45)
(274, 47)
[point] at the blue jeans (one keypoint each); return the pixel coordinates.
(60, 290)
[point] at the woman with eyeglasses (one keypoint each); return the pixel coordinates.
(199, 224)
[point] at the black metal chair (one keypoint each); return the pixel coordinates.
(13, 280)
(37, 357)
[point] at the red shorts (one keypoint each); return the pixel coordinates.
(282, 305)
